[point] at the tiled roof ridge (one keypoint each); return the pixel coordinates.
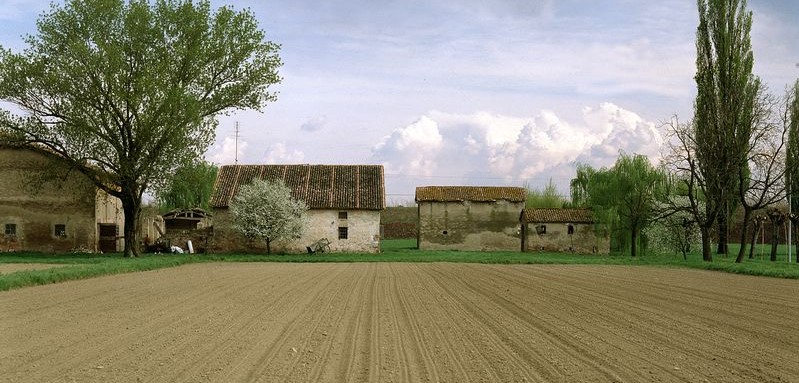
(320, 186)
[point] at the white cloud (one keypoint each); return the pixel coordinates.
(225, 152)
(486, 149)
(278, 153)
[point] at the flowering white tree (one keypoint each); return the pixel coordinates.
(265, 210)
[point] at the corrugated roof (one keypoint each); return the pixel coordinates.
(320, 186)
(554, 215)
(470, 193)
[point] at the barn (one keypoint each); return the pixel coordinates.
(562, 230)
(46, 207)
(344, 203)
(474, 218)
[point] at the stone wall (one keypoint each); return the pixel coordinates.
(363, 233)
(37, 197)
(474, 226)
(555, 237)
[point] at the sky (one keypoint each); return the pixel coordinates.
(472, 92)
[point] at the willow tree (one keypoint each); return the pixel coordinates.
(125, 92)
(189, 187)
(726, 94)
(624, 196)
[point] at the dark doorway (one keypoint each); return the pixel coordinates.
(107, 242)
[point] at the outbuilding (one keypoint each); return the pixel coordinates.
(45, 206)
(474, 218)
(562, 230)
(344, 204)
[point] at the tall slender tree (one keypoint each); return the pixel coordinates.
(791, 120)
(726, 94)
(125, 91)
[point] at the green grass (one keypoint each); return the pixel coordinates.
(82, 266)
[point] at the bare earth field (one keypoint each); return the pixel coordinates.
(395, 322)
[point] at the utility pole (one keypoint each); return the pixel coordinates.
(236, 138)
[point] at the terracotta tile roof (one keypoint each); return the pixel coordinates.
(555, 215)
(320, 186)
(470, 193)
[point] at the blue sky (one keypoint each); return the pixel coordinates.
(501, 92)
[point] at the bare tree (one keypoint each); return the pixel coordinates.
(680, 159)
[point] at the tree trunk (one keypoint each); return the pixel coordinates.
(706, 255)
(755, 232)
(744, 227)
(634, 244)
(775, 231)
(723, 222)
(268, 246)
(131, 206)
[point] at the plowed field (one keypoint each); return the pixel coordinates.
(394, 322)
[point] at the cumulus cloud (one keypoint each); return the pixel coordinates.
(225, 152)
(278, 153)
(489, 149)
(412, 149)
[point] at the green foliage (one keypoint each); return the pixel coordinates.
(190, 187)
(265, 210)
(792, 156)
(622, 197)
(548, 197)
(128, 91)
(723, 109)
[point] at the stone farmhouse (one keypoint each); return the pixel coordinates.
(344, 205)
(46, 207)
(562, 230)
(473, 218)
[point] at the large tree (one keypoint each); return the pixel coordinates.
(265, 210)
(127, 91)
(726, 94)
(623, 196)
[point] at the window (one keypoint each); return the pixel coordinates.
(11, 229)
(342, 215)
(570, 229)
(541, 229)
(60, 230)
(342, 233)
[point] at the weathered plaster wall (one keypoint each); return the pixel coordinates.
(474, 226)
(108, 210)
(557, 239)
(363, 233)
(36, 194)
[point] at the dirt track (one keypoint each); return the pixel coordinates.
(403, 323)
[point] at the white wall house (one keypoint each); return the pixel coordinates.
(345, 202)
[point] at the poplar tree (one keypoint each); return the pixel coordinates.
(726, 94)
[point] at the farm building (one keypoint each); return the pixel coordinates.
(469, 217)
(344, 204)
(44, 206)
(562, 230)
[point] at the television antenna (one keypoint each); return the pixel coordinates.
(236, 139)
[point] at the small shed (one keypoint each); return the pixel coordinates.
(472, 218)
(185, 219)
(562, 230)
